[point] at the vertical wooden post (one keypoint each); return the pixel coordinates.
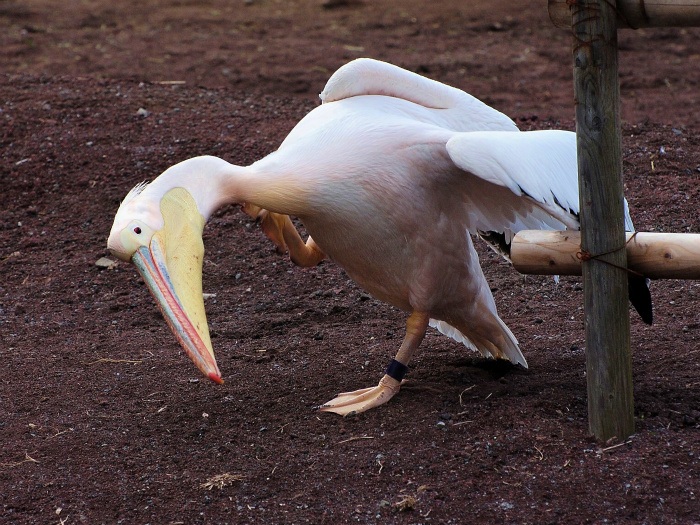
(607, 324)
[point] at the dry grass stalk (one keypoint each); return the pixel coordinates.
(221, 480)
(355, 439)
(108, 360)
(27, 458)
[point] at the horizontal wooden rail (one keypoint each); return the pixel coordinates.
(654, 255)
(638, 13)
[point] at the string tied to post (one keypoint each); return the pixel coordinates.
(584, 255)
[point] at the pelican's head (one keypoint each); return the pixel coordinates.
(158, 228)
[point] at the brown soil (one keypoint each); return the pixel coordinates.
(104, 420)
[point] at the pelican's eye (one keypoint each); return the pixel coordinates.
(137, 230)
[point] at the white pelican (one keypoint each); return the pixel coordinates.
(389, 176)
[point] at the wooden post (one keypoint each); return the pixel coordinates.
(607, 324)
(638, 13)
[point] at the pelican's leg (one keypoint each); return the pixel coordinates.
(272, 224)
(280, 230)
(351, 403)
(301, 253)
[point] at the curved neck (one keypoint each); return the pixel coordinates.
(213, 182)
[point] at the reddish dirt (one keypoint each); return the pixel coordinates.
(103, 419)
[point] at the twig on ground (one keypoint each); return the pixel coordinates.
(355, 439)
(607, 449)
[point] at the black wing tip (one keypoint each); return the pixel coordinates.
(640, 297)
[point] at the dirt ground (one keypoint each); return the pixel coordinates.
(103, 419)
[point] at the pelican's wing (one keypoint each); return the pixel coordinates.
(518, 181)
(528, 174)
(527, 180)
(366, 76)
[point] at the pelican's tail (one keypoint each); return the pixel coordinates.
(509, 348)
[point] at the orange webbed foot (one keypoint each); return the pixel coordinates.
(351, 403)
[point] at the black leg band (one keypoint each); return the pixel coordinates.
(396, 370)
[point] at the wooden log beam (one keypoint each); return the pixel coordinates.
(607, 323)
(653, 255)
(638, 13)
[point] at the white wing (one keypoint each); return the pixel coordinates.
(366, 76)
(528, 180)
(517, 181)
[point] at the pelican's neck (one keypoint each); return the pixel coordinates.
(213, 182)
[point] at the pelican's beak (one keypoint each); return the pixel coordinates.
(171, 266)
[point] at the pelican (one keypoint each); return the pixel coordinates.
(390, 176)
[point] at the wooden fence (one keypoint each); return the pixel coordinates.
(593, 25)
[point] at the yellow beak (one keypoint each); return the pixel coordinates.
(171, 266)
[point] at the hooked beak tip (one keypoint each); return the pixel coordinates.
(216, 378)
